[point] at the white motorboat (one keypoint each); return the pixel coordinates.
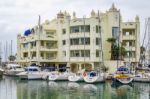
(31, 73)
(93, 77)
(122, 76)
(142, 75)
(57, 76)
(13, 69)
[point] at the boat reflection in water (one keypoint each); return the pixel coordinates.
(13, 88)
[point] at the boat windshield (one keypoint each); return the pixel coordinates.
(31, 69)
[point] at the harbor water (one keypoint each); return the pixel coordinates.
(13, 88)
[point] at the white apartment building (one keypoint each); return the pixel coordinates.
(76, 42)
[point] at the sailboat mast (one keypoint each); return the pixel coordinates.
(148, 40)
(84, 38)
(119, 50)
(11, 52)
(0, 54)
(38, 41)
(100, 43)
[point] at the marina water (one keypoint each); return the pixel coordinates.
(13, 88)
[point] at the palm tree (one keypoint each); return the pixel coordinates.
(112, 41)
(116, 51)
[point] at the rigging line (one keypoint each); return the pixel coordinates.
(148, 26)
(146, 23)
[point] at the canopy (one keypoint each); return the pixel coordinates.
(27, 32)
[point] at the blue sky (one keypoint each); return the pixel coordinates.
(18, 15)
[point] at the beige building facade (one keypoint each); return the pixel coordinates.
(76, 42)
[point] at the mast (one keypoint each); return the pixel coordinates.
(100, 44)
(119, 31)
(11, 51)
(0, 54)
(142, 52)
(148, 40)
(84, 38)
(38, 41)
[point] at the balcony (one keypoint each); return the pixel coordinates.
(79, 47)
(128, 25)
(25, 49)
(132, 59)
(48, 59)
(45, 48)
(33, 48)
(80, 34)
(80, 59)
(46, 37)
(130, 48)
(128, 37)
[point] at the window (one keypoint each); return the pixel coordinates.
(25, 54)
(64, 42)
(98, 40)
(82, 28)
(74, 29)
(25, 45)
(64, 31)
(80, 41)
(115, 32)
(98, 29)
(42, 43)
(64, 53)
(98, 53)
(80, 53)
(130, 54)
(85, 28)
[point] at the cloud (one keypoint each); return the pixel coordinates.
(18, 15)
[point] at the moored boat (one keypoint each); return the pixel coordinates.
(93, 77)
(142, 75)
(13, 69)
(31, 73)
(76, 77)
(58, 76)
(122, 76)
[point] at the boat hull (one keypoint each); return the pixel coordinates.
(95, 79)
(122, 81)
(12, 73)
(30, 76)
(75, 78)
(141, 79)
(57, 77)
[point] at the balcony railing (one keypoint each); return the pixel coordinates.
(128, 37)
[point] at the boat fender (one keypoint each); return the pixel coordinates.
(84, 74)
